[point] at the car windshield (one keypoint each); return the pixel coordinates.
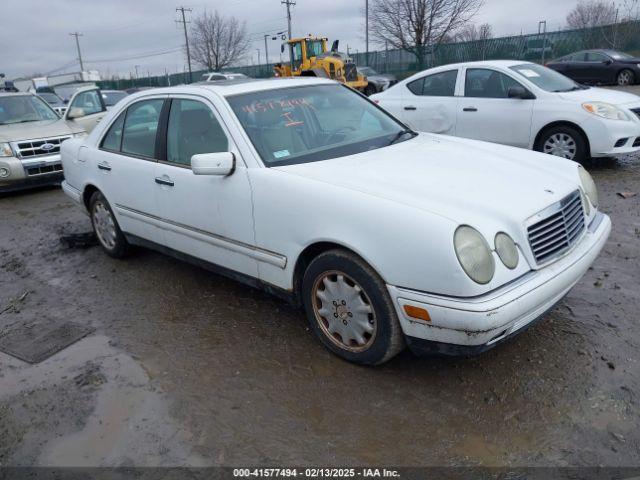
(111, 98)
(620, 55)
(545, 78)
(51, 98)
(311, 123)
(368, 71)
(24, 108)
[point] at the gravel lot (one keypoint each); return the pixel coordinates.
(188, 368)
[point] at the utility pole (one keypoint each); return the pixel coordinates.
(289, 4)
(76, 34)
(366, 21)
(266, 50)
(137, 74)
(258, 50)
(186, 38)
(542, 23)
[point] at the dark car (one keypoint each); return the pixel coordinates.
(599, 67)
(378, 82)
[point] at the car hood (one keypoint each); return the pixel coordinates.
(463, 180)
(601, 95)
(33, 130)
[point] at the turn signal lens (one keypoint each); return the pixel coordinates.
(417, 312)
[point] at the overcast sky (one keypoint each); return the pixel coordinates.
(119, 34)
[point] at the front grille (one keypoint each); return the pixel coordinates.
(350, 72)
(558, 230)
(44, 169)
(33, 148)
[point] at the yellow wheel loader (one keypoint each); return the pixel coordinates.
(310, 58)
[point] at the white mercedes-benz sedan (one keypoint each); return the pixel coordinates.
(520, 104)
(387, 237)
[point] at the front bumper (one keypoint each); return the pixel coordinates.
(605, 134)
(26, 173)
(472, 325)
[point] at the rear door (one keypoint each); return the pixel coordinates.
(127, 161)
(487, 113)
(86, 108)
(429, 103)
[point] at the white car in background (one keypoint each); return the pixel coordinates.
(304, 187)
(520, 104)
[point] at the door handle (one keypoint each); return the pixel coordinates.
(469, 109)
(104, 166)
(410, 107)
(164, 181)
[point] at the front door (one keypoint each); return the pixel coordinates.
(487, 113)
(208, 217)
(86, 108)
(429, 103)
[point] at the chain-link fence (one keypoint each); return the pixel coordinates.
(538, 47)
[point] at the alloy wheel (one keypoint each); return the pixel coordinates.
(624, 78)
(343, 311)
(104, 225)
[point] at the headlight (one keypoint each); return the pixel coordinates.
(5, 150)
(506, 250)
(589, 186)
(474, 254)
(605, 110)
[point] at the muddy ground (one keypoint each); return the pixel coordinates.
(188, 368)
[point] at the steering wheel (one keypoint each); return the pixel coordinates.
(340, 131)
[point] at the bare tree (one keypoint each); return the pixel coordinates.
(476, 39)
(471, 33)
(218, 41)
(591, 13)
(417, 26)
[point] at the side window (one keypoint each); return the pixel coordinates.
(484, 83)
(113, 139)
(596, 57)
(577, 57)
(193, 129)
(88, 101)
(140, 127)
(441, 84)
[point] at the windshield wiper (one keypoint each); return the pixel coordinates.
(19, 121)
(572, 89)
(401, 134)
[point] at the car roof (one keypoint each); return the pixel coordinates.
(15, 94)
(228, 88)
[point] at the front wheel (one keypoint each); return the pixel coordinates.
(563, 141)
(350, 310)
(625, 77)
(106, 227)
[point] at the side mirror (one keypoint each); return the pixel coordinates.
(222, 163)
(75, 112)
(519, 92)
(607, 62)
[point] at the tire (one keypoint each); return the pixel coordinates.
(334, 306)
(106, 228)
(370, 90)
(554, 140)
(625, 77)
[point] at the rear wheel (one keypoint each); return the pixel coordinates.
(350, 310)
(106, 228)
(563, 141)
(625, 77)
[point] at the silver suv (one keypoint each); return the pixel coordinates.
(31, 133)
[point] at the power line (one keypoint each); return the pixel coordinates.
(136, 57)
(76, 34)
(186, 38)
